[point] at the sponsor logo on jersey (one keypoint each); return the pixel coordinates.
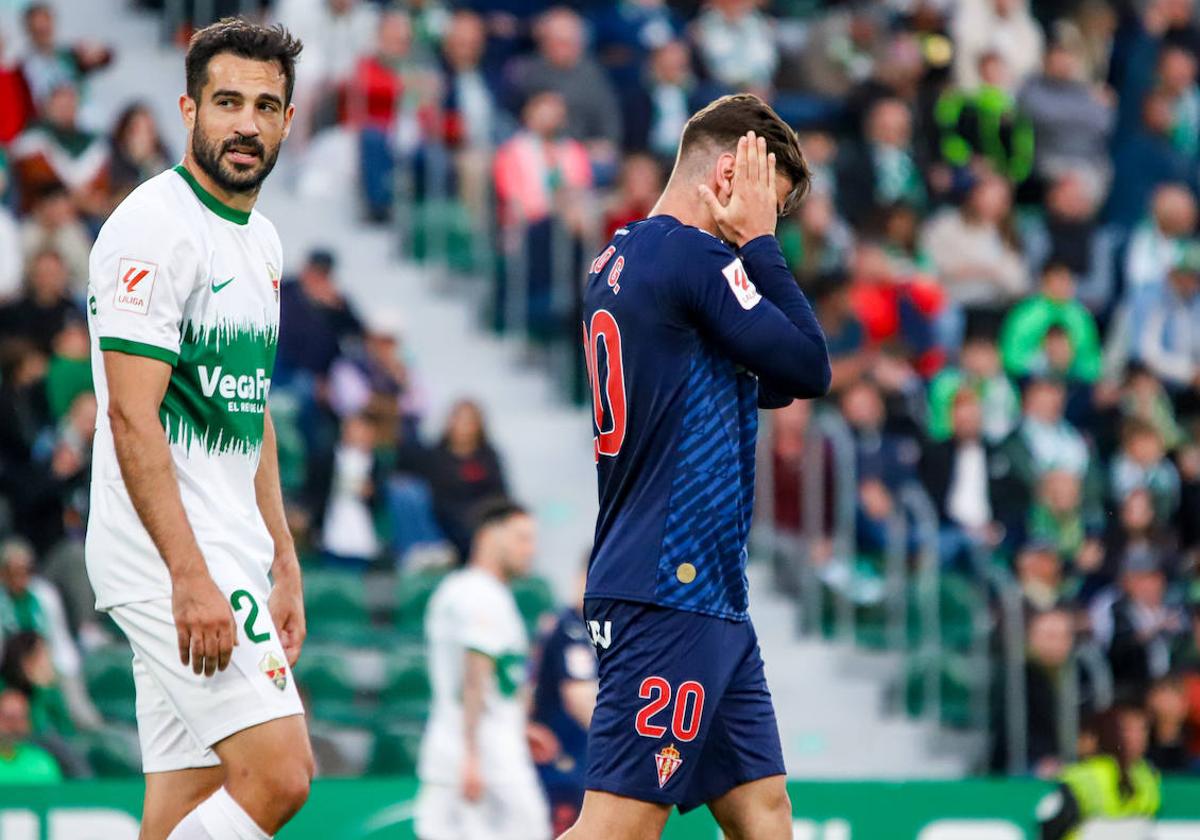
(739, 281)
(276, 671)
(601, 638)
(666, 762)
(135, 284)
(602, 260)
(245, 392)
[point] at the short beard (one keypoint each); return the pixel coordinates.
(208, 155)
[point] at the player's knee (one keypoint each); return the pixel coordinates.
(289, 790)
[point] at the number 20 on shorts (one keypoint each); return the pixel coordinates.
(686, 716)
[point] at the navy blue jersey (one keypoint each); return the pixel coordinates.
(685, 339)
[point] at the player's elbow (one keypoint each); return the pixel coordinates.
(814, 377)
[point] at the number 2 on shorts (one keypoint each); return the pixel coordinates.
(235, 601)
(685, 720)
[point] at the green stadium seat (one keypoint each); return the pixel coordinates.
(112, 752)
(406, 692)
(534, 598)
(336, 605)
(324, 675)
(413, 592)
(395, 752)
(108, 672)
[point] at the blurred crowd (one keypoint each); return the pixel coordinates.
(1001, 245)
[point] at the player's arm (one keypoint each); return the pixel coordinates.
(751, 304)
(579, 699)
(203, 618)
(479, 669)
(287, 595)
(142, 269)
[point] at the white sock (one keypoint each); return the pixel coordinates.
(218, 818)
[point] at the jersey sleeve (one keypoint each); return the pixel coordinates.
(142, 270)
(480, 627)
(750, 305)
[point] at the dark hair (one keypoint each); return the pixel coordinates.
(125, 119)
(723, 121)
(245, 39)
(17, 649)
(497, 510)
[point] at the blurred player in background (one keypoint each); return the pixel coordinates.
(187, 546)
(692, 322)
(564, 697)
(476, 769)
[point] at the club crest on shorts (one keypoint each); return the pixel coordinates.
(275, 670)
(667, 761)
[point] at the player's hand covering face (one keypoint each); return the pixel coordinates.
(240, 121)
(757, 193)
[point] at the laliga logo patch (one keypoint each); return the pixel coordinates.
(275, 670)
(135, 283)
(666, 762)
(739, 281)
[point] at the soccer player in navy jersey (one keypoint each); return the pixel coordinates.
(692, 322)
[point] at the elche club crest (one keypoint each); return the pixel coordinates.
(275, 670)
(667, 761)
(273, 273)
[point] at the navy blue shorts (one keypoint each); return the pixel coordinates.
(683, 714)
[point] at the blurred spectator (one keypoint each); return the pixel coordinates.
(814, 240)
(378, 102)
(565, 686)
(655, 110)
(1025, 328)
(373, 371)
(45, 306)
(793, 505)
(1001, 26)
(628, 32)
(463, 471)
(638, 188)
(1050, 638)
(1167, 705)
(896, 310)
(980, 370)
(1137, 626)
(961, 483)
(593, 113)
(1187, 520)
(138, 151)
(1063, 517)
(983, 123)
(1072, 121)
(319, 320)
(1156, 245)
(48, 64)
(1070, 233)
(978, 260)
(1039, 572)
(53, 224)
(11, 264)
(56, 150)
(16, 102)
(735, 43)
(1144, 160)
(1135, 528)
(883, 170)
(27, 667)
(336, 33)
(1177, 80)
(843, 51)
(1170, 331)
(22, 762)
(348, 531)
(1142, 464)
(471, 117)
(845, 337)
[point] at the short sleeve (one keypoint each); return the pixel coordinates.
(481, 625)
(142, 271)
(579, 661)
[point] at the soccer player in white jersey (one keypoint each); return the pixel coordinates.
(187, 547)
(477, 776)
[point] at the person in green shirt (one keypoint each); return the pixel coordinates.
(22, 763)
(979, 369)
(1116, 784)
(985, 123)
(1024, 330)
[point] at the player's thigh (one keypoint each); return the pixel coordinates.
(173, 794)
(607, 816)
(757, 810)
(268, 763)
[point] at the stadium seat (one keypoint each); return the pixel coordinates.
(395, 751)
(336, 605)
(112, 752)
(412, 596)
(324, 675)
(535, 598)
(109, 675)
(406, 692)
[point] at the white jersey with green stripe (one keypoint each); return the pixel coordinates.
(178, 276)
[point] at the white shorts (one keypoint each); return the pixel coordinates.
(180, 714)
(511, 812)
